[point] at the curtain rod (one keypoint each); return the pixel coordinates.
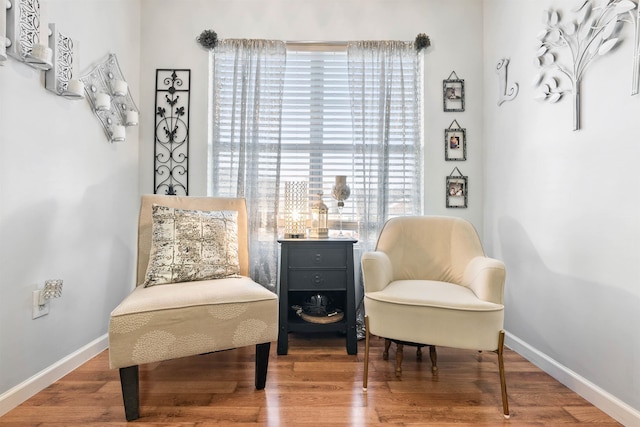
(331, 43)
(312, 45)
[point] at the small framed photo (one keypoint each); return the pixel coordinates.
(457, 190)
(453, 93)
(455, 143)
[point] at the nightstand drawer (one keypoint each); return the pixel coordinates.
(317, 256)
(312, 280)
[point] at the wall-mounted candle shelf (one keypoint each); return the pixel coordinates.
(59, 79)
(108, 93)
(27, 33)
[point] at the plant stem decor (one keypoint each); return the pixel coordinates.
(590, 33)
(208, 39)
(422, 41)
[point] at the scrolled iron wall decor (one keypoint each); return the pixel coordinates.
(171, 147)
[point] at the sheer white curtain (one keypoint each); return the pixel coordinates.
(385, 89)
(245, 147)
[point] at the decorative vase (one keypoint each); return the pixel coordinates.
(340, 192)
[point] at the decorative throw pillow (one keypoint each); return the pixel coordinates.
(190, 245)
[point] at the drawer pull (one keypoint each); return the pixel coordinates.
(318, 280)
(318, 258)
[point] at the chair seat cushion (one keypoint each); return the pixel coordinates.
(431, 293)
(176, 320)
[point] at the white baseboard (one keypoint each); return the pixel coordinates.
(43, 379)
(601, 399)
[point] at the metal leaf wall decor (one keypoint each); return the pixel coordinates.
(635, 83)
(591, 32)
(171, 148)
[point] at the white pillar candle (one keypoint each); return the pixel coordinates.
(119, 88)
(103, 102)
(41, 54)
(75, 88)
(118, 133)
(132, 118)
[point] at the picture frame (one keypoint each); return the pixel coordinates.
(455, 143)
(457, 190)
(453, 93)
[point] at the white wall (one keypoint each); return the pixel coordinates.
(69, 197)
(561, 209)
(558, 206)
(169, 43)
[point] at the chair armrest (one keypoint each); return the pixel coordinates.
(485, 277)
(377, 271)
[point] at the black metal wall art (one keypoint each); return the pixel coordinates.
(171, 147)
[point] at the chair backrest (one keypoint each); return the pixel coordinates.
(194, 203)
(429, 247)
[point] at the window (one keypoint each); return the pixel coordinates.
(283, 113)
(317, 136)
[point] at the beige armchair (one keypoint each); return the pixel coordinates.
(428, 282)
(190, 317)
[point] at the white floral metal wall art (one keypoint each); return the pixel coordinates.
(635, 83)
(590, 33)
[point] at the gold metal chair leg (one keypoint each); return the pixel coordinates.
(503, 381)
(367, 336)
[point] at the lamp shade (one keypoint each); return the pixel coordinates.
(295, 209)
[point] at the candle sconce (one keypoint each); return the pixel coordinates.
(108, 93)
(27, 33)
(4, 4)
(59, 79)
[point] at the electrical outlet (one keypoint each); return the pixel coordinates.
(39, 310)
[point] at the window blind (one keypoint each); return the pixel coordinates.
(317, 133)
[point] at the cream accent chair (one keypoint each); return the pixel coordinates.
(428, 282)
(168, 321)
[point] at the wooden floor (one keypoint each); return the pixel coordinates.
(316, 384)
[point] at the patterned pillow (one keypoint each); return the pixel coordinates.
(189, 245)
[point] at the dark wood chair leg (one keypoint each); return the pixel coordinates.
(129, 380)
(399, 357)
(385, 353)
(434, 359)
(262, 363)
